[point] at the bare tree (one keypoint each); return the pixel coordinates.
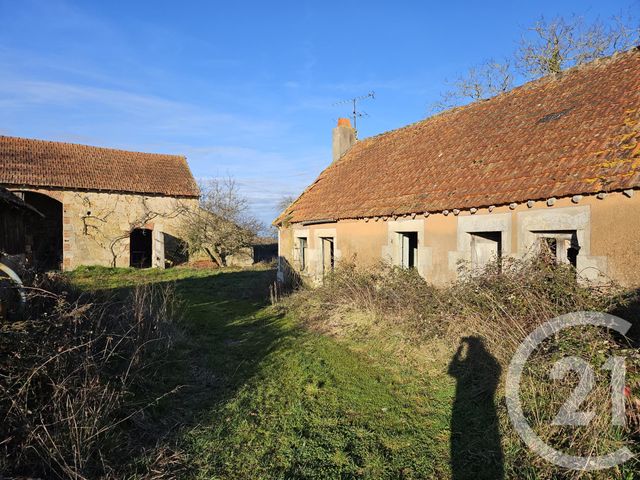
(284, 202)
(557, 44)
(479, 83)
(222, 225)
(547, 47)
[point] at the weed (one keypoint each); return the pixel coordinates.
(72, 378)
(494, 309)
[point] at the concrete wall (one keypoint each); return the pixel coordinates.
(607, 229)
(96, 225)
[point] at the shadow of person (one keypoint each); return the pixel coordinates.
(476, 451)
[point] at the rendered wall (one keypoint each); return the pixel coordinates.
(608, 230)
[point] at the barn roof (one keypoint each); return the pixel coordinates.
(573, 133)
(40, 163)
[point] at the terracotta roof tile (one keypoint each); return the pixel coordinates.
(573, 133)
(39, 163)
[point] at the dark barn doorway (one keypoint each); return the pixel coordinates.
(140, 248)
(45, 233)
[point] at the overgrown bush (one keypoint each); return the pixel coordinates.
(72, 378)
(502, 303)
(388, 293)
(499, 306)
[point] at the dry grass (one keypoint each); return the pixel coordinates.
(72, 378)
(501, 306)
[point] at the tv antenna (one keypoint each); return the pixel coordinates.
(355, 114)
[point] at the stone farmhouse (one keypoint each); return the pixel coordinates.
(99, 206)
(552, 164)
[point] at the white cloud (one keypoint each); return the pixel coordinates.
(164, 116)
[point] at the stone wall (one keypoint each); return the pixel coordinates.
(96, 226)
(242, 258)
(605, 227)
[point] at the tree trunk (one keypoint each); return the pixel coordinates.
(215, 256)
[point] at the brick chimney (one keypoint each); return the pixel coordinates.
(344, 136)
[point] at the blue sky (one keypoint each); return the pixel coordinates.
(245, 89)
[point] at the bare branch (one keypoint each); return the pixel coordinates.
(285, 201)
(223, 225)
(479, 83)
(554, 45)
(549, 46)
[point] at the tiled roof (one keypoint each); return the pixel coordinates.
(573, 133)
(39, 163)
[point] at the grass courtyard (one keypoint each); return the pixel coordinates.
(263, 397)
(374, 375)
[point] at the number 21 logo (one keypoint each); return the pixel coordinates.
(568, 413)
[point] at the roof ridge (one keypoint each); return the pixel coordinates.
(48, 163)
(530, 84)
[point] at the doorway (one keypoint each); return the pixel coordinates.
(140, 248)
(561, 246)
(45, 233)
(408, 249)
(328, 257)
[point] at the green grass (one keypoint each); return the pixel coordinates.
(265, 398)
(96, 277)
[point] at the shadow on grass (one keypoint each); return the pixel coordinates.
(476, 451)
(225, 335)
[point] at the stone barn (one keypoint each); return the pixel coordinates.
(101, 206)
(552, 164)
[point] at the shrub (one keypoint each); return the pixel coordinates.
(71, 373)
(502, 303)
(386, 292)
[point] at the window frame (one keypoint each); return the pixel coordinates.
(560, 237)
(495, 236)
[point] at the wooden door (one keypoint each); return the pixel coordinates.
(158, 249)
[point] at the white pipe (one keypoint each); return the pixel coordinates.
(14, 276)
